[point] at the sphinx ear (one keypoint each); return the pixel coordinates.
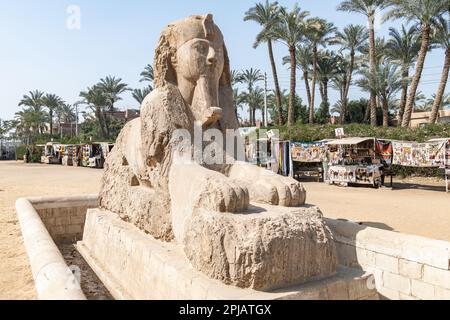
(229, 119)
(165, 59)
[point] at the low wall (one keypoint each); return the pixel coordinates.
(404, 266)
(64, 217)
(52, 277)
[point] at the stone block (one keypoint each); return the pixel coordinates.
(386, 263)
(441, 293)
(422, 290)
(409, 269)
(397, 282)
(438, 277)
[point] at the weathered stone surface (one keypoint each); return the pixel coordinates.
(152, 180)
(265, 249)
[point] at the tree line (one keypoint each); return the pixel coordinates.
(381, 67)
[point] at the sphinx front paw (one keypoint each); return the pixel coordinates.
(223, 195)
(277, 190)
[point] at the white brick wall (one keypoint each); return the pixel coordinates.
(405, 267)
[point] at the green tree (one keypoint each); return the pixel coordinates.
(95, 98)
(140, 94)
(147, 74)
(318, 33)
(442, 38)
(351, 39)
(52, 102)
(369, 8)
(402, 49)
(251, 77)
(289, 31)
(424, 14)
(267, 15)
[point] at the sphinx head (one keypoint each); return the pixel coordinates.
(191, 55)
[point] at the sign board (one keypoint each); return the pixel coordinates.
(339, 132)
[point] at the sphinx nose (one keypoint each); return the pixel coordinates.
(211, 56)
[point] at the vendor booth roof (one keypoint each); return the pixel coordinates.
(348, 141)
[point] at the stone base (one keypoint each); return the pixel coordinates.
(133, 265)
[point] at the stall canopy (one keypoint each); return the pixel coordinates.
(348, 141)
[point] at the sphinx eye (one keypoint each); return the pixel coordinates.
(202, 48)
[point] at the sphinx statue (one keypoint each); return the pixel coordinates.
(237, 223)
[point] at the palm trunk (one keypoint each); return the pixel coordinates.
(277, 85)
(367, 113)
(313, 89)
(325, 100)
(373, 72)
(50, 114)
(385, 109)
(308, 89)
(321, 91)
(416, 80)
(441, 89)
(405, 76)
(347, 85)
(99, 115)
(291, 116)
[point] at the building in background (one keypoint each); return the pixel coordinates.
(421, 118)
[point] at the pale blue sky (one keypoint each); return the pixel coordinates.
(118, 38)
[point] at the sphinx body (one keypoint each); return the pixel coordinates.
(237, 223)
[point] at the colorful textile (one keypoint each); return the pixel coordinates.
(431, 154)
(308, 152)
(384, 150)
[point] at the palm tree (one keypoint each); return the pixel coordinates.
(402, 49)
(95, 98)
(442, 37)
(267, 16)
(389, 83)
(328, 66)
(251, 77)
(303, 63)
(112, 88)
(140, 94)
(255, 100)
(318, 33)
(147, 74)
(52, 102)
(352, 39)
(425, 14)
(368, 8)
(33, 100)
(289, 31)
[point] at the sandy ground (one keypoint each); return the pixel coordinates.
(19, 180)
(415, 206)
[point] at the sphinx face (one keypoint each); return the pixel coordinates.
(199, 66)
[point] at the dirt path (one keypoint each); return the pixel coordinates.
(417, 206)
(423, 210)
(19, 180)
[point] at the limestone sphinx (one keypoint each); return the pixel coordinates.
(237, 223)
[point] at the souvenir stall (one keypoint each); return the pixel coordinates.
(51, 153)
(432, 154)
(354, 161)
(308, 159)
(94, 155)
(283, 158)
(68, 155)
(425, 155)
(258, 152)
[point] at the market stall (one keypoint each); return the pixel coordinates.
(51, 153)
(432, 154)
(308, 159)
(95, 154)
(355, 161)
